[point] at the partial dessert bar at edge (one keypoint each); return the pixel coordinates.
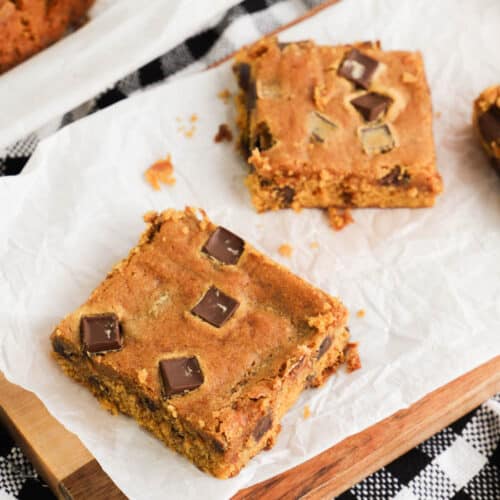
(203, 340)
(343, 126)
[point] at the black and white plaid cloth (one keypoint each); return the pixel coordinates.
(461, 462)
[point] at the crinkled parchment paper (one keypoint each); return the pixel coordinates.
(120, 36)
(428, 279)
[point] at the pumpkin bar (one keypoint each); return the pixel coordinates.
(344, 126)
(203, 340)
(486, 119)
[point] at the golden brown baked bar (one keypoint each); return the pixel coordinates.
(28, 26)
(345, 126)
(486, 119)
(203, 340)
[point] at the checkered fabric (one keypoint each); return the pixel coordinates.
(461, 462)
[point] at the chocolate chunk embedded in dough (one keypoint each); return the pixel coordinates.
(215, 307)
(180, 375)
(325, 345)
(396, 177)
(372, 105)
(377, 139)
(358, 68)
(263, 425)
(320, 126)
(224, 246)
(100, 333)
(489, 125)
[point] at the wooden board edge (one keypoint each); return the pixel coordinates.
(89, 482)
(345, 464)
(310, 13)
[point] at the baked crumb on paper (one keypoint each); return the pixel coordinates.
(361, 313)
(339, 218)
(352, 358)
(160, 171)
(285, 250)
(223, 134)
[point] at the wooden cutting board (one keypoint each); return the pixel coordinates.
(73, 473)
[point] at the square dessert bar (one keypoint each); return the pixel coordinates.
(203, 340)
(344, 126)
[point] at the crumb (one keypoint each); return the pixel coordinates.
(224, 133)
(190, 132)
(193, 118)
(437, 114)
(353, 361)
(307, 412)
(339, 218)
(160, 171)
(314, 245)
(408, 77)
(285, 250)
(361, 313)
(225, 95)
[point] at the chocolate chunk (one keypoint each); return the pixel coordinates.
(489, 125)
(149, 403)
(263, 425)
(263, 138)
(396, 177)
(287, 194)
(371, 105)
(180, 375)
(320, 126)
(59, 347)
(251, 97)
(215, 307)
(358, 68)
(243, 72)
(100, 333)
(224, 246)
(325, 345)
(377, 139)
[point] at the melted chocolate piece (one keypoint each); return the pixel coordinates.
(100, 333)
(396, 177)
(263, 425)
(215, 307)
(224, 246)
(489, 125)
(371, 105)
(325, 345)
(180, 375)
(287, 194)
(358, 68)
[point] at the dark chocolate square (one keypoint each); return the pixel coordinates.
(358, 68)
(215, 307)
(100, 333)
(371, 105)
(180, 375)
(489, 125)
(224, 246)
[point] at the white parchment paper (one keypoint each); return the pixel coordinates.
(428, 279)
(120, 36)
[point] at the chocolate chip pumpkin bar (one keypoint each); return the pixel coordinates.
(486, 119)
(344, 126)
(203, 340)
